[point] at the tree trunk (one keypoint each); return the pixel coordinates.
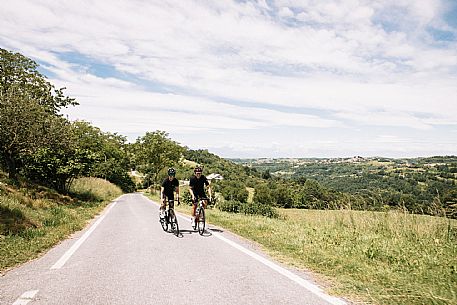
(11, 164)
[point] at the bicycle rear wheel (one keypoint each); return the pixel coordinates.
(201, 221)
(174, 222)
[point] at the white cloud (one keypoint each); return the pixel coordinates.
(353, 62)
(285, 12)
(387, 119)
(152, 110)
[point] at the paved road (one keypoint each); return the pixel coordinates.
(124, 257)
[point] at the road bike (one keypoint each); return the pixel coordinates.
(170, 218)
(200, 216)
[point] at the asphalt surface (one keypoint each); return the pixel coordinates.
(124, 257)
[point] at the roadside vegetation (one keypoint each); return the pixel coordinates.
(371, 257)
(34, 218)
(389, 257)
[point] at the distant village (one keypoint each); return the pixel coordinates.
(300, 161)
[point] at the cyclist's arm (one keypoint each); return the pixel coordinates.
(191, 191)
(177, 191)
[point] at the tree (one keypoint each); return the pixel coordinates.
(263, 195)
(312, 195)
(111, 158)
(21, 72)
(283, 196)
(24, 127)
(234, 190)
(154, 152)
(63, 159)
(266, 175)
(28, 105)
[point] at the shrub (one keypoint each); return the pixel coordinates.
(255, 208)
(121, 179)
(232, 206)
(187, 198)
(263, 195)
(233, 190)
(283, 197)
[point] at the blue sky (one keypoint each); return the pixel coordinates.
(277, 78)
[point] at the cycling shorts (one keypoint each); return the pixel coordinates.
(198, 197)
(168, 196)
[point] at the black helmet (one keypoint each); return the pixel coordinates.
(198, 169)
(171, 172)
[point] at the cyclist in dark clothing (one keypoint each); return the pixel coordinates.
(169, 186)
(197, 185)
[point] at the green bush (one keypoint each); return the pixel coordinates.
(123, 180)
(283, 196)
(233, 190)
(264, 195)
(251, 208)
(232, 206)
(187, 198)
(255, 208)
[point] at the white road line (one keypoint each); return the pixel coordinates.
(26, 297)
(316, 290)
(297, 279)
(79, 242)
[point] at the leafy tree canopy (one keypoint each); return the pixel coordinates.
(154, 152)
(21, 72)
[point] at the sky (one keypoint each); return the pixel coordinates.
(249, 79)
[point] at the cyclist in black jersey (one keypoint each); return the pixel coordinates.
(169, 186)
(197, 185)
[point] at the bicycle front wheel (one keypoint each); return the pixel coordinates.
(164, 222)
(201, 221)
(174, 223)
(194, 224)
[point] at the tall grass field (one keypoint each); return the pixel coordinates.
(369, 257)
(34, 219)
(374, 257)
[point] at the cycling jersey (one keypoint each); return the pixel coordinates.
(169, 187)
(198, 185)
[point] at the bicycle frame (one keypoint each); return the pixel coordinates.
(200, 220)
(170, 218)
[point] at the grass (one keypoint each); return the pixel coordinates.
(33, 218)
(372, 257)
(251, 192)
(382, 258)
(94, 189)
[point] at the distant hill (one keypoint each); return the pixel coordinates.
(214, 164)
(416, 183)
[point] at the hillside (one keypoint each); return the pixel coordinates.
(419, 184)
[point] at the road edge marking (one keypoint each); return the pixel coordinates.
(313, 288)
(66, 256)
(26, 297)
